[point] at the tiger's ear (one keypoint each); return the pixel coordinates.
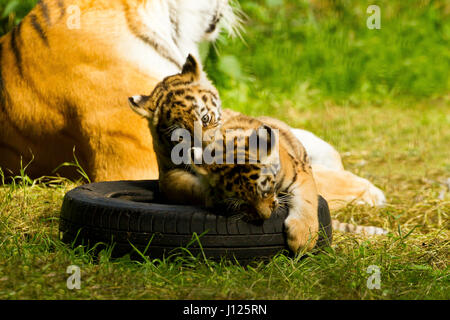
(191, 67)
(141, 105)
(267, 141)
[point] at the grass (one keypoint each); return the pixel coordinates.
(12, 11)
(315, 50)
(379, 96)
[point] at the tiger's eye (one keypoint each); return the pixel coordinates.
(205, 118)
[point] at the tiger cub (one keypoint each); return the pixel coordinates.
(259, 182)
(178, 102)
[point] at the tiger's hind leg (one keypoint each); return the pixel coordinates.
(338, 186)
(341, 187)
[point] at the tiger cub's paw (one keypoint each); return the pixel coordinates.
(300, 235)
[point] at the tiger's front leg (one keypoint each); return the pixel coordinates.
(302, 223)
(182, 187)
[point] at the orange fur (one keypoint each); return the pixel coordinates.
(341, 187)
(72, 92)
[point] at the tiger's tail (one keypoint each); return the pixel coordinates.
(351, 228)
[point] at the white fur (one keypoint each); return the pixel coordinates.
(194, 18)
(136, 99)
(319, 151)
(145, 58)
(323, 154)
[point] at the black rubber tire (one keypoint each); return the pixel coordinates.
(124, 212)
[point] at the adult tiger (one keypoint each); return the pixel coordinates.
(67, 69)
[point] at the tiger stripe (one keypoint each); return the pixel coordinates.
(37, 26)
(149, 40)
(15, 35)
(45, 11)
(2, 83)
(159, 98)
(62, 8)
(176, 25)
(1, 73)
